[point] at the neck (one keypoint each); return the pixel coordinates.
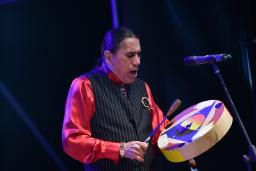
(110, 74)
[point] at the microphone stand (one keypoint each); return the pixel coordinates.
(249, 158)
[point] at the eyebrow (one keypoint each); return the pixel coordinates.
(134, 51)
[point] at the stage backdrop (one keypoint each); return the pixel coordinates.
(45, 44)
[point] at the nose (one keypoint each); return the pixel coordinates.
(136, 60)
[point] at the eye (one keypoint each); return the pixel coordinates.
(130, 55)
(133, 54)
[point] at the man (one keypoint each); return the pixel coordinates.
(110, 112)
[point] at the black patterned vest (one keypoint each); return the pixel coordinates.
(119, 119)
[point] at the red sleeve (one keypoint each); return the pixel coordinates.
(76, 131)
(157, 115)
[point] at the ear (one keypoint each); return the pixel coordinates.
(108, 57)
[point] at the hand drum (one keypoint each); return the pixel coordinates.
(195, 130)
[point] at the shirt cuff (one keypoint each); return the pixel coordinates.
(112, 151)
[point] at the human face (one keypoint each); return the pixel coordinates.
(124, 63)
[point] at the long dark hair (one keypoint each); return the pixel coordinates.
(112, 40)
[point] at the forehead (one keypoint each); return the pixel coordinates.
(130, 44)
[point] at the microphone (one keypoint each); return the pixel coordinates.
(198, 60)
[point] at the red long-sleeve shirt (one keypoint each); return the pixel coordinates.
(76, 133)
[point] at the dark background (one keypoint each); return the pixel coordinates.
(45, 44)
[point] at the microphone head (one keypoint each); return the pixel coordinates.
(212, 58)
(225, 57)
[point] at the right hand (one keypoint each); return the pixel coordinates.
(135, 150)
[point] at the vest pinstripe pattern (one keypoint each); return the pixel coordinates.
(119, 119)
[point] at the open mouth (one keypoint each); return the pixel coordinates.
(134, 72)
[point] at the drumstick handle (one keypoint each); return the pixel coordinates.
(172, 109)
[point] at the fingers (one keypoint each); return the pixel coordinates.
(143, 145)
(135, 150)
(140, 159)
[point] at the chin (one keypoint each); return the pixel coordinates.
(130, 81)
